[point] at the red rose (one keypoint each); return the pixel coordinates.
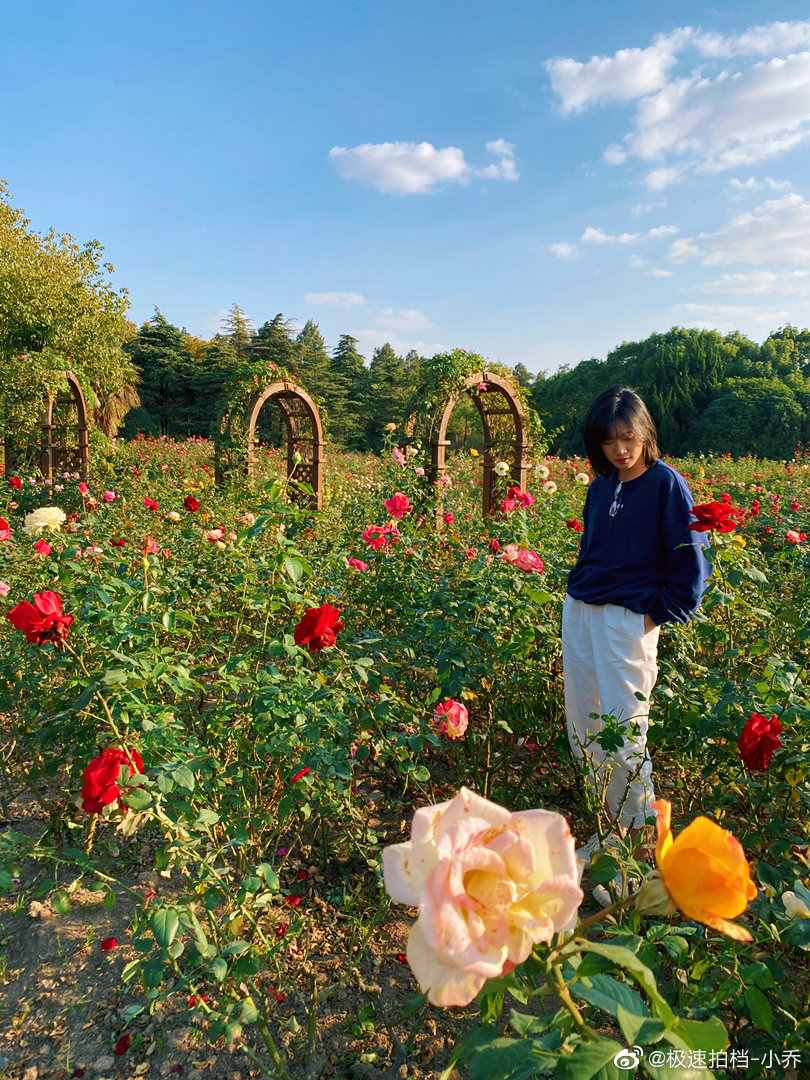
(42, 547)
(108, 944)
(398, 505)
(301, 773)
(41, 621)
(524, 498)
(715, 515)
(15, 482)
(448, 518)
(150, 504)
(319, 627)
(5, 529)
(758, 740)
(100, 777)
(380, 536)
(118, 543)
(191, 504)
(494, 545)
(293, 901)
(574, 524)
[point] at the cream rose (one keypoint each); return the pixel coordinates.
(47, 517)
(542, 472)
(489, 884)
(582, 478)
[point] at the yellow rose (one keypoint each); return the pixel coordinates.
(705, 872)
(474, 452)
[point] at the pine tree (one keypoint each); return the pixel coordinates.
(274, 341)
(237, 329)
(349, 377)
(314, 367)
(166, 372)
(387, 395)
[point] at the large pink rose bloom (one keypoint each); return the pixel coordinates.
(451, 718)
(527, 561)
(489, 885)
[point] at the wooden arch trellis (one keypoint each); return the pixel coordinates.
(495, 396)
(64, 443)
(236, 436)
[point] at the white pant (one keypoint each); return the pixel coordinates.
(607, 657)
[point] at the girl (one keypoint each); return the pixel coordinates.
(639, 566)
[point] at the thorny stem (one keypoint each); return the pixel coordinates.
(565, 996)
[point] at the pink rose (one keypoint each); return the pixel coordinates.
(419, 470)
(357, 564)
(528, 561)
(4, 589)
(451, 718)
(398, 456)
(489, 885)
(83, 488)
(109, 496)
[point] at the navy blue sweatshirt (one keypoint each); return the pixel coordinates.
(644, 557)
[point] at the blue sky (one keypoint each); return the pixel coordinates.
(534, 181)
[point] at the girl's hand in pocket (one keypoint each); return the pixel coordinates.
(648, 624)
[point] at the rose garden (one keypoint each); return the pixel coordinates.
(285, 784)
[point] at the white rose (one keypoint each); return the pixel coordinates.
(173, 515)
(47, 517)
(582, 478)
(549, 487)
(501, 468)
(542, 472)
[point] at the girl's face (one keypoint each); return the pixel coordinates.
(623, 448)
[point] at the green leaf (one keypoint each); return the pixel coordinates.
(608, 994)
(604, 869)
(248, 1014)
(236, 948)
(184, 777)
(168, 619)
(219, 969)
(60, 902)
(207, 817)
(136, 798)
(269, 876)
(589, 1059)
(708, 1034)
(524, 1024)
(164, 923)
(421, 773)
(512, 1059)
(295, 568)
(627, 960)
(639, 1030)
(759, 1009)
(115, 677)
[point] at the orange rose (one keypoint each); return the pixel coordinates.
(705, 872)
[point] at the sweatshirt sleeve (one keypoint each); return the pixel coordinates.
(685, 566)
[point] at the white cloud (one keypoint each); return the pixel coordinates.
(341, 299)
(754, 183)
(758, 41)
(662, 230)
(658, 179)
(402, 319)
(628, 74)
(657, 272)
(706, 119)
(614, 154)
(592, 235)
(505, 168)
(563, 250)
(371, 338)
(777, 232)
(755, 283)
(647, 207)
(731, 314)
(401, 168)
(683, 249)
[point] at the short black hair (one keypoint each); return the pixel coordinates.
(618, 405)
